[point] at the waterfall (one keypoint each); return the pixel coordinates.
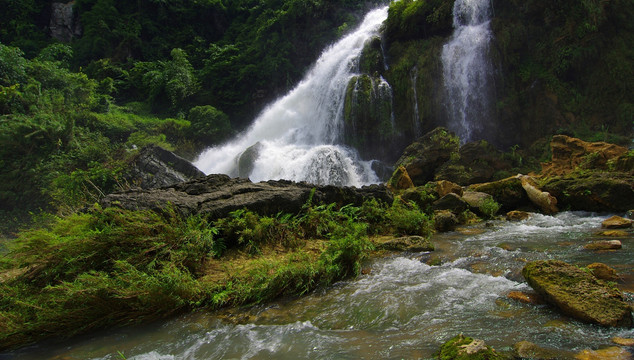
(297, 137)
(467, 70)
(415, 120)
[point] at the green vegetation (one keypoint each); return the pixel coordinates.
(112, 267)
(456, 349)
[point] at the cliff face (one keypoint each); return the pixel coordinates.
(64, 25)
(559, 67)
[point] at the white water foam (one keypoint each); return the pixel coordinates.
(299, 134)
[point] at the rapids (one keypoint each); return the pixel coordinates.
(402, 308)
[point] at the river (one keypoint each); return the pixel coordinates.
(401, 308)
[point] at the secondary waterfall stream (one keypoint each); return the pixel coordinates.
(467, 70)
(298, 136)
(401, 308)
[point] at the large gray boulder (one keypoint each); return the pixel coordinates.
(155, 167)
(215, 196)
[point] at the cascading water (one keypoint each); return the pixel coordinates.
(296, 138)
(467, 70)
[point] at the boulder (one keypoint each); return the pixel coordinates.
(444, 187)
(476, 199)
(542, 199)
(400, 180)
(570, 153)
(616, 222)
(577, 293)
(597, 191)
(477, 162)
(508, 192)
(529, 350)
(407, 243)
(609, 353)
(155, 167)
(603, 245)
(517, 215)
(603, 272)
(246, 160)
(215, 196)
(445, 220)
(451, 202)
(465, 348)
(423, 157)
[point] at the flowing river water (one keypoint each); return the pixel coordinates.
(401, 308)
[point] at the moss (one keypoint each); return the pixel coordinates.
(578, 293)
(454, 349)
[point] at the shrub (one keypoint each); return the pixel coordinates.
(489, 207)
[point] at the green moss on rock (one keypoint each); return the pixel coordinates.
(465, 348)
(578, 293)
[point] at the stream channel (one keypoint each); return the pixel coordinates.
(401, 308)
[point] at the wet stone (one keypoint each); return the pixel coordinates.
(604, 245)
(610, 353)
(603, 272)
(617, 222)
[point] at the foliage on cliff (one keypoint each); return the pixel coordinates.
(563, 66)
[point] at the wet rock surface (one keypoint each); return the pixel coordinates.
(616, 222)
(577, 293)
(216, 196)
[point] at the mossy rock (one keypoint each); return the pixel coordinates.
(578, 293)
(465, 348)
(508, 192)
(592, 191)
(407, 243)
(477, 162)
(427, 154)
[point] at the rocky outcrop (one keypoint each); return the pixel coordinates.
(595, 191)
(570, 153)
(64, 24)
(215, 196)
(155, 167)
(577, 293)
(400, 180)
(422, 158)
(477, 162)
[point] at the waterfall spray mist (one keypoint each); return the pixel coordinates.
(467, 71)
(296, 137)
